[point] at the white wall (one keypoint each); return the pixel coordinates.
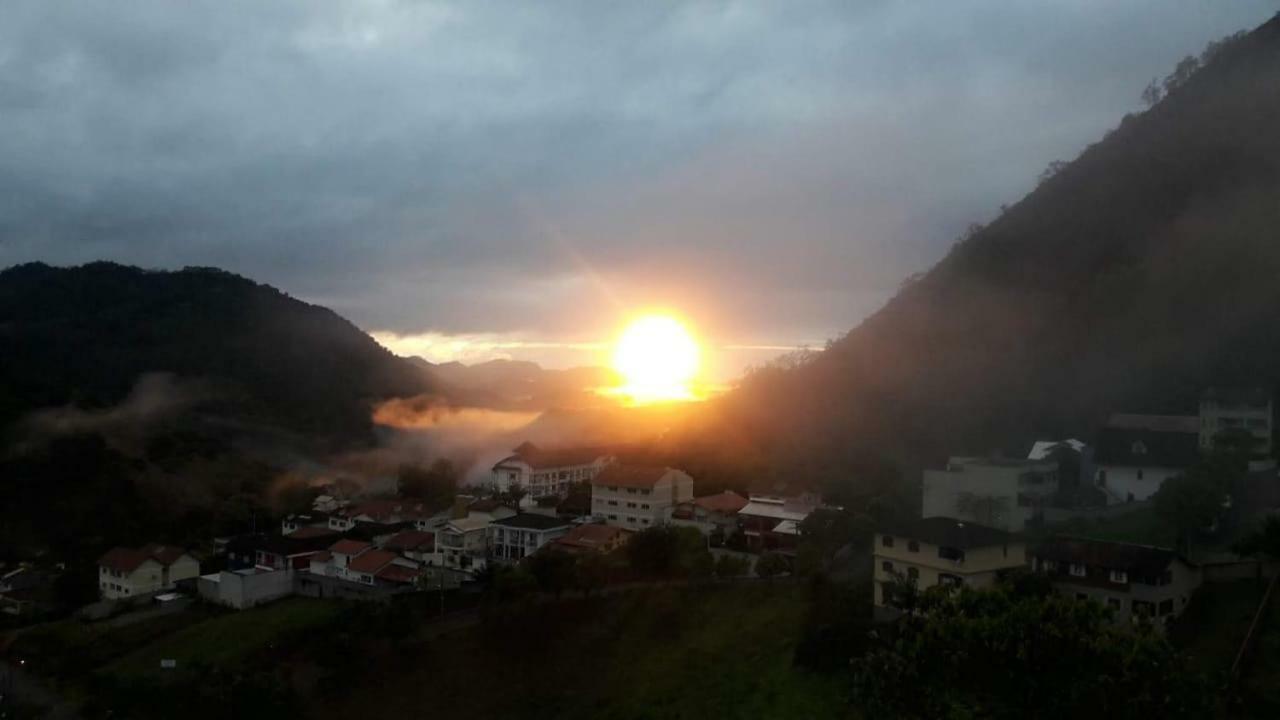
(1121, 481)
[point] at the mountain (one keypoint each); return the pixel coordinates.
(1131, 278)
(87, 335)
(520, 385)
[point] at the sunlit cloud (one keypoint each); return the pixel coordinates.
(472, 348)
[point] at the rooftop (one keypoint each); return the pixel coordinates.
(411, 540)
(124, 559)
(591, 536)
(1236, 396)
(632, 476)
(371, 561)
(1156, 423)
(1141, 560)
(349, 547)
(540, 458)
(1137, 446)
(949, 532)
(532, 521)
(725, 502)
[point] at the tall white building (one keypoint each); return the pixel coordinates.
(547, 472)
(638, 496)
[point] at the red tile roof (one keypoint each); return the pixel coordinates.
(371, 562)
(636, 476)
(129, 559)
(592, 537)
(725, 502)
(398, 573)
(123, 559)
(411, 540)
(349, 547)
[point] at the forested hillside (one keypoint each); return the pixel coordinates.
(86, 335)
(1130, 278)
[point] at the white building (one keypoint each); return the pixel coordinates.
(1136, 453)
(246, 588)
(638, 496)
(1225, 411)
(547, 472)
(515, 538)
(129, 572)
(462, 544)
(996, 492)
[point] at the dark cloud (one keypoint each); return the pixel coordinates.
(536, 168)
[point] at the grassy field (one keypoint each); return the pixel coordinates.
(660, 653)
(225, 639)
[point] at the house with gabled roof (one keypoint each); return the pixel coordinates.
(713, 515)
(134, 572)
(548, 471)
(593, 538)
(638, 496)
(1136, 453)
(1132, 580)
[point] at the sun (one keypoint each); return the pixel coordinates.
(657, 358)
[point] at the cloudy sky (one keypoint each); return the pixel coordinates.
(479, 178)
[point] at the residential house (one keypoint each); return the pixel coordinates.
(998, 492)
(541, 472)
(772, 522)
(1237, 410)
(341, 554)
(462, 544)
(514, 538)
(369, 567)
(385, 512)
(1132, 580)
(414, 544)
(298, 521)
(1137, 453)
(290, 552)
(638, 496)
(129, 572)
(941, 551)
(26, 589)
(713, 515)
(593, 538)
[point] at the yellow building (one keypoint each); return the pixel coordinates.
(938, 550)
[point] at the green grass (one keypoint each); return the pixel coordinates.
(659, 653)
(224, 640)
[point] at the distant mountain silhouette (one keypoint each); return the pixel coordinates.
(1131, 278)
(86, 335)
(520, 385)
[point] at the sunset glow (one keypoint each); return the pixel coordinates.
(658, 360)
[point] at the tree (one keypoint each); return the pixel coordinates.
(1152, 93)
(592, 573)
(1193, 501)
(665, 551)
(1182, 72)
(554, 570)
(1051, 170)
(435, 484)
(771, 564)
(1000, 654)
(1263, 540)
(826, 530)
(731, 566)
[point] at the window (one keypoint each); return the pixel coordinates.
(613, 517)
(644, 521)
(1049, 565)
(886, 594)
(913, 546)
(1078, 570)
(950, 553)
(950, 580)
(886, 540)
(1119, 576)
(886, 566)
(644, 506)
(1166, 607)
(631, 505)
(1143, 608)
(614, 503)
(631, 491)
(913, 573)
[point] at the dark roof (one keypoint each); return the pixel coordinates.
(949, 532)
(371, 562)
(349, 547)
(1133, 446)
(633, 476)
(1237, 396)
(411, 540)
(1140, 560)
(1156, 423)
(367, 530)
(292, 545)
(540, 458)
(532, 521)
(128, 559)
(310, 532)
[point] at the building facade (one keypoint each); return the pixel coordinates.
(548, 472)
(129, 572)
(515, 538)
(1137, 453)
(997, 492)
(638, 496)
(1131, 580)
(941, 551)
(1249, 411)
